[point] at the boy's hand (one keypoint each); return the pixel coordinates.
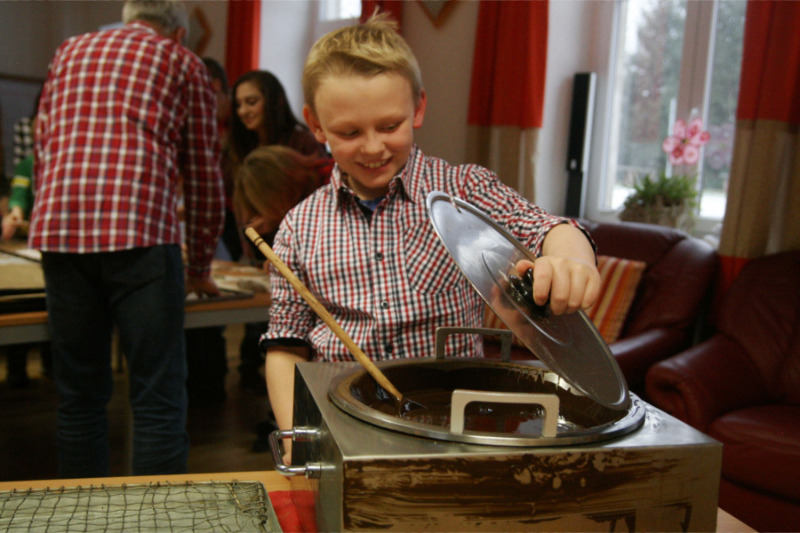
(570, 284)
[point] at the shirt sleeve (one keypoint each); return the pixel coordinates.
(202, 175)
(290, 315)
(527, 222)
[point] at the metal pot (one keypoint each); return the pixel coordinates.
(482, 401)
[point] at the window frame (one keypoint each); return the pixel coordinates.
(693, 94)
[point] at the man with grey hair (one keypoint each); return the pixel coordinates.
(169, 16)
(126, 124)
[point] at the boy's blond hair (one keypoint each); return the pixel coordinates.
(366, 49)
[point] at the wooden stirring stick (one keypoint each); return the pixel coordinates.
(323, 313)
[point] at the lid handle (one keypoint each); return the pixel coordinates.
(462, 397)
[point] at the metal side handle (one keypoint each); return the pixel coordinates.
(298, 434)
(445, 331)
(461, 397)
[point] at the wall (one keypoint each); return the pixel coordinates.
(287, 39)
(570, 24)
(445, 56)
(444, 52)
(30, 32)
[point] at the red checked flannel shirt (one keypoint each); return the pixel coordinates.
(123, 116)
(390, 283)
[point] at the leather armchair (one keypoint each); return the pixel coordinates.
(674, 287)
(742, 387)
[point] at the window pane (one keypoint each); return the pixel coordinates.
(340, 9)
(721, 115)
(647, 81)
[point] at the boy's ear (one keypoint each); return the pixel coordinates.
(313, 124)
(419, 109)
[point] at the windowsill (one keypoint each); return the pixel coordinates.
(706, 229)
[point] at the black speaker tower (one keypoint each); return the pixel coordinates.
(580, 133)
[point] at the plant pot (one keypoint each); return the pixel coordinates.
(675, 216)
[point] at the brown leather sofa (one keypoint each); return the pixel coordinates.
(742, 387)
(674, 288)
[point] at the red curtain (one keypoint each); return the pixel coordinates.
(508, 70)
(762, 216)
(243, 37)
(770, 80)
(393, 7)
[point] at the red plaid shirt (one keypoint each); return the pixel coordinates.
(124, 114)
(390, 283)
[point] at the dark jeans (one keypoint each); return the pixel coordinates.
(141, 291)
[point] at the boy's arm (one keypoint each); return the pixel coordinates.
(566, 272)
(279, 369)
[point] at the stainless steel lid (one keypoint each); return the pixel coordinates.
(569, 344)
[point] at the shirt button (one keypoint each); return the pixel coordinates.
(378, 256)
(389, 348)
(385, 304)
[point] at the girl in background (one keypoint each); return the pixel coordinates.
(261, 117)
(270, 181)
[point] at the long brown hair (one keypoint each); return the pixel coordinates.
(273, 179)
(278, 117)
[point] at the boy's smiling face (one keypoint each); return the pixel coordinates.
(369, 123)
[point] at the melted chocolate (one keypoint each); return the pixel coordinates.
(427, 391)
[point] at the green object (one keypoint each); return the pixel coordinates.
(21, 193)
(663, 190)
(662, 199)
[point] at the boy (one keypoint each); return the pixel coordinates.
(364, 244)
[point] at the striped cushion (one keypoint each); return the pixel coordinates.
(619, 279)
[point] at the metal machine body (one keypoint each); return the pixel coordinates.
(663, 476)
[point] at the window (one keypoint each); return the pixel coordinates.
(673, 59)
(339, 9)
(334, 14)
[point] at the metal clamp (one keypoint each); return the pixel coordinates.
(298, 434)
(461, 397)
(505, 339)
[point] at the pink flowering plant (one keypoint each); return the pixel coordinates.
(683, 146)
(665, 199)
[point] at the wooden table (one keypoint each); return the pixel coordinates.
(271, 480)
(19, 328)
(31, 327)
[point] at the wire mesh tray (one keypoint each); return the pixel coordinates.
(162, 507)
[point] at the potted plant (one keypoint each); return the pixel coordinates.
(664, 199)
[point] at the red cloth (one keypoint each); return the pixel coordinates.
(243, 37)
(124, 115)
(508, 69)
(295, 509)
(770, 78)
(328, 242)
